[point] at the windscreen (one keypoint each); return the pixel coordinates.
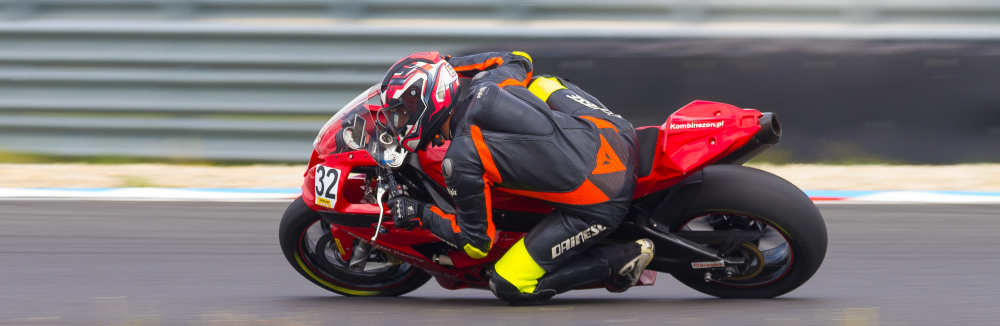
(359, 125)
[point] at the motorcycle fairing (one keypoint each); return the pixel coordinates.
(694, 137)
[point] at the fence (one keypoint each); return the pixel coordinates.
(852, 11)
(238, 80)
(196, 92)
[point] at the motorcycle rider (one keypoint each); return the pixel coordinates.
(539, 137)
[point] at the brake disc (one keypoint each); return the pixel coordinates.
(748, 250)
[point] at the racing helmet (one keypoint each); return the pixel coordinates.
(419, 94)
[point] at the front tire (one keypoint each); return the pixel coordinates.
(305, 241)
(747, 194)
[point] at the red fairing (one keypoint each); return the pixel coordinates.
(348, 187)
(694, 137)
(308, 194)
(430, 161)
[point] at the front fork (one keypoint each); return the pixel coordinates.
(385, 185)
(359, 257)
(361, 251)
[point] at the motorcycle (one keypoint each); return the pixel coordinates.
(719, 227)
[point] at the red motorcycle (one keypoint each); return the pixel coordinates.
(720, 228)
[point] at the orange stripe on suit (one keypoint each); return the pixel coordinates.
(442, 214)
(493, 176)
(513, 82)
(490, 177)
(481, 66)
(600, 123)
(585, 194)
(491, 230)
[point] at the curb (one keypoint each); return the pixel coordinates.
(904, 197)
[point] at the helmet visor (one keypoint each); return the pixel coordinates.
(397, 118)
(403, 111)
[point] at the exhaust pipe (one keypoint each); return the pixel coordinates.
(768, 136)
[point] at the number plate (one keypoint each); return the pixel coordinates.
(326, 185)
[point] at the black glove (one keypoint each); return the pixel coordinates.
(406, 211)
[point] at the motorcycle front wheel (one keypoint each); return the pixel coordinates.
(738, 198)
(307, 243)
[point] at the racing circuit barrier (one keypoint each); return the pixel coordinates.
(849, 11)
(188, 90)
(240, 80)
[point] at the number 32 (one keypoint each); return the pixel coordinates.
(324, 175)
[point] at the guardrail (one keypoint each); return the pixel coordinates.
(210, 90)
(186, 91)
(985, 11)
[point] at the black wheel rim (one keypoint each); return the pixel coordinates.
(774, 247)
(320, 254)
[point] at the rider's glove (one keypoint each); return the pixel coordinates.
(406, 211)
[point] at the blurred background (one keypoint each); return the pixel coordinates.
(871, 82)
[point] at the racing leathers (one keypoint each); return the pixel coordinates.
(544, 138)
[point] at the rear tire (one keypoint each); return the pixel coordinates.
(331, 273)
(767, 198)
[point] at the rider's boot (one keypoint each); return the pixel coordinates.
(620, 263)
(628, 275)
(514, 297)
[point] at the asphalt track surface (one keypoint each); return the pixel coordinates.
(177, 263)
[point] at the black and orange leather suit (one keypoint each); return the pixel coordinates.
(543, 138)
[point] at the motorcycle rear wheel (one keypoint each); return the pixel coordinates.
(305, 241)
(759, 198)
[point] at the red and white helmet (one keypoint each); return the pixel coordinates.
(419, 94)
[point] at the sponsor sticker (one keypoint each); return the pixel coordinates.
(577, 239)
(340, 248)
(324, 202)
(696, 125)
(395, 252)
(708, 264)
(589, 104)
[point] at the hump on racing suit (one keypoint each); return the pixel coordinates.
(540, 137)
